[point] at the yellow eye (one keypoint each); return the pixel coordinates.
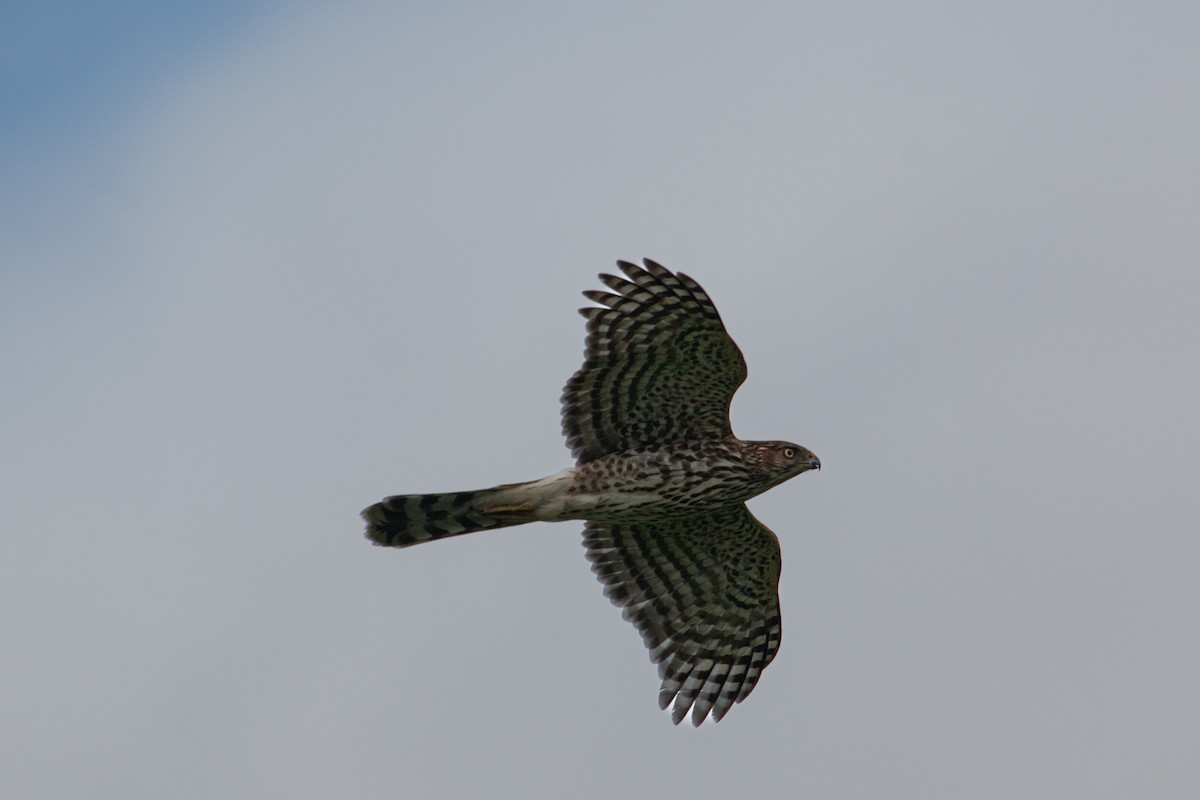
(788, 452)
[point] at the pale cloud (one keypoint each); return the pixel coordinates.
(338, 259)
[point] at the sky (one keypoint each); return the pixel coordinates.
(262, 264)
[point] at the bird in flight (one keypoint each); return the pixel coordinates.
(661, 482)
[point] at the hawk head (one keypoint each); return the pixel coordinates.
(784, 459)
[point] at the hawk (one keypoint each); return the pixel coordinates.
(661, 482)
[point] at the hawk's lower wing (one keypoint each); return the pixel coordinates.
(703, 592)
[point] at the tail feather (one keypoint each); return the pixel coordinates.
(407, 519)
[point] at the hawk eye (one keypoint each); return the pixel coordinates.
(788, 452)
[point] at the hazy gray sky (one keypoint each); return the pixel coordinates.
(285, 262)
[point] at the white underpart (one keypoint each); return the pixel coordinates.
(548, 495)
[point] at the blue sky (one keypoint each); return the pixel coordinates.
(263, 265)
(76, 79)
(65, 62)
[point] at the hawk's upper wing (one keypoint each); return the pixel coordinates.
(703, 592)
(658, 366)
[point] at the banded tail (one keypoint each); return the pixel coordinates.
(407, 519)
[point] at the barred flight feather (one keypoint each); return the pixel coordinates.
(658, 366)
(707, 609)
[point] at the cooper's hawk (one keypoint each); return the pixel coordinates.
(661, 481)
